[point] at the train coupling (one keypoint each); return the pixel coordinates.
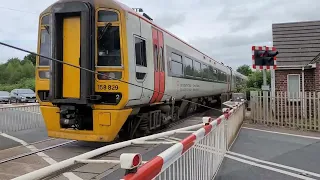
(67, 116)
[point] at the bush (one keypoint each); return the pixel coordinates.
(16, 73)
(25, 83)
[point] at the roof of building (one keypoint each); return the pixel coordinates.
(298, 43)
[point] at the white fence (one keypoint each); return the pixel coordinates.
(20, 117)
(196, 157)
(294, 110)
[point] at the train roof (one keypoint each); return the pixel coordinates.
(114, 4)
(240, 75)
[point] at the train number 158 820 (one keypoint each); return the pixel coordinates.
(108, 87)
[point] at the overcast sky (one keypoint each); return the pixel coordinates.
(223, 29)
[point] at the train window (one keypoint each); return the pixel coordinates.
(45, 47)
(109, 53)
(176, 57)
(45, 20)
(225, 77)
(107, 16)
(188, 67)
(140, 49)
(197, 69)
(177, 68)
(176, 64)
(205, 71)
(219, 77)
(210, 73)
(215, 75)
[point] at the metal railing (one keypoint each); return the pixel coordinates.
(293, 110)
(198, 156)
(20, 117)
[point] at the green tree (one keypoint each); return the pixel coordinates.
(245, 70)
(17, 74)
(29, 57)
(255, 80)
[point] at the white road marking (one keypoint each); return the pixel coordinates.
(268, 168)
(45, 157)
(274, 164)
(288, 134)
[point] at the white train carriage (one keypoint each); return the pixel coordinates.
(169, 65)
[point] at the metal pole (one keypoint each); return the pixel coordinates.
(264, 77)
(265, 96)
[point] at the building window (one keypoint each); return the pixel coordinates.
(140, 49)
(176, 64)
(293, 83)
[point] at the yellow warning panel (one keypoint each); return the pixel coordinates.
(71, 55)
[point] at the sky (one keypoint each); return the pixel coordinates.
(223, 29)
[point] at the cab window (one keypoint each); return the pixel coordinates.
(45, 41)
(109, 52)
(108, 39)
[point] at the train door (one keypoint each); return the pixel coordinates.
(71, 55)
(159, 73)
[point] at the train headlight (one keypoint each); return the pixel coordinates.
(44, 74)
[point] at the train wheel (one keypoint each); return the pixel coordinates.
(175, 114)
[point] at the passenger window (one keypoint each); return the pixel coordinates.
(197, 69)
(176, 64)
(107, 16)
(176, 57)
(109, 52)
(188, 67)
(205, 71)
(140, 49)
(177, 68)
(210, 73)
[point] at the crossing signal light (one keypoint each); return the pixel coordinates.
(264, 57)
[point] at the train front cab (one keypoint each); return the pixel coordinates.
(81, 105)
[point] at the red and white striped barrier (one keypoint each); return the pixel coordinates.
(212, 130)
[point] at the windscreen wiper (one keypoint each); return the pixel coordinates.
(47, 28)
(106, 27)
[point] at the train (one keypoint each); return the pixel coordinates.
(135, 77)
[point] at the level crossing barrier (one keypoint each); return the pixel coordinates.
(20, 117)
(198, 156)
